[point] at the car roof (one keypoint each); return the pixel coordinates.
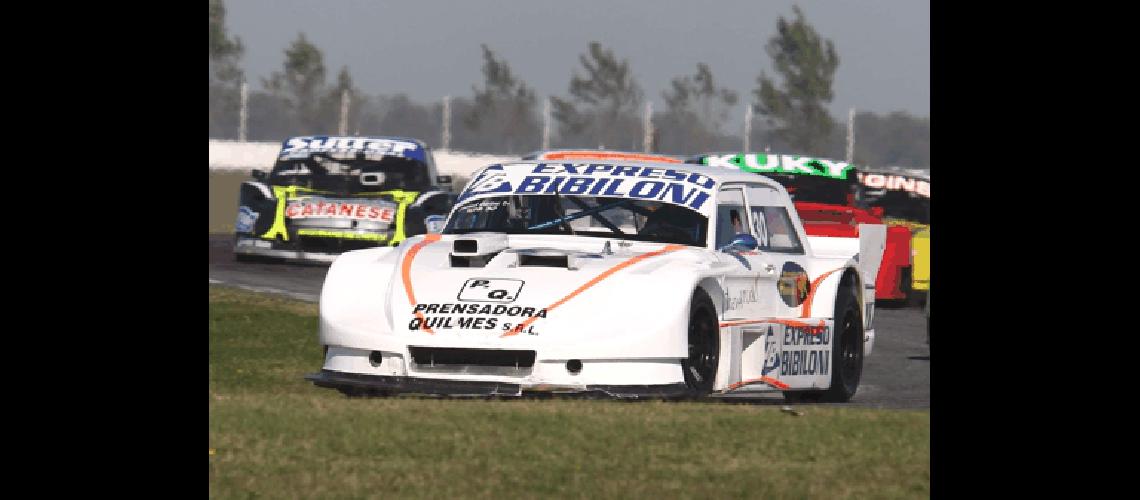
(422, 144)
(602, 155)
(304, 146)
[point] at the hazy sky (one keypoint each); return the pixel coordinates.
(430, 48)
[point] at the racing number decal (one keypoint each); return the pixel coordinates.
(490, 290)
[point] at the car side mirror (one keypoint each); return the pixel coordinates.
(443, 179)
(259, 175)
(742, 242)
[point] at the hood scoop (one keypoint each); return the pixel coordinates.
(538, 260)
(476, 249)
(545, 257)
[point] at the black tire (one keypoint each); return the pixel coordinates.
(704, 345)
(916, 299)
(847, 365)
(928, 317)
(414, 221)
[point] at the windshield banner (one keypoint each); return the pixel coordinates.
(895, 182)
(763, 163)
(348, 147)
(692, 190)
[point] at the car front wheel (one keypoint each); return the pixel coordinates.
(704, 345)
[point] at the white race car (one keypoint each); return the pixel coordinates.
(627, 279)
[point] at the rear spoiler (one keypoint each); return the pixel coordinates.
(872, 243)
(867, 250)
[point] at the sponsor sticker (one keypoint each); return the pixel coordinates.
(771, 353)
(339, 209)
(806, 351)
(246, 217)
(736, 298)
(793, 285)
(435, 223)
(475, 316)
(490, 290)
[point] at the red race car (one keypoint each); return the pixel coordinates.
(826, 195)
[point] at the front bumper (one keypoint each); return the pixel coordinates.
(296, 255)
(265, 248)
(361, 383)
(495, 371)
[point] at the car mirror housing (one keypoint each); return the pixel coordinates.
(259, 175)
(742, 242)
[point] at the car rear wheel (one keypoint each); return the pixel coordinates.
(704, 345)
(847, 365)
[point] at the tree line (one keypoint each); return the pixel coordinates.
(603, 105)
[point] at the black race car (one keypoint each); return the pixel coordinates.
(327, 195)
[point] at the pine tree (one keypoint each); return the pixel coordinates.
(504, 107)
(301, 84)
(697, 108)
(807, 64)
(225, 75)
(603, 104)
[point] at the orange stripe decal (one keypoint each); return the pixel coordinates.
(767, 380)
(609, 272)
(406, 273)
(602, 155)
(788, 322)
(811, 294)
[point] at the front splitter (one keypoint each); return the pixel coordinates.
(364, 384)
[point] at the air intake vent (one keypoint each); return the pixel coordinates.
(436, 356)
(529, 260)
(466, 246)
(471, 260)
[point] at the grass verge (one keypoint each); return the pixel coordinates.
(274, 434)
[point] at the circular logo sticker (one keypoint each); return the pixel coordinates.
(793, 284)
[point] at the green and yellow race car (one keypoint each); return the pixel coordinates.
(327, 195)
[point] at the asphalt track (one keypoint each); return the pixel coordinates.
(895, 375)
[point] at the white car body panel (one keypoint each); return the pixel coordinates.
(620, 307)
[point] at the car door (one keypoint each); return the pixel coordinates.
(751, 274)
(781, 249)
(770, 347)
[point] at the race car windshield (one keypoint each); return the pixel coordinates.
(322, 172)
(603, 217)
(812, 189)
